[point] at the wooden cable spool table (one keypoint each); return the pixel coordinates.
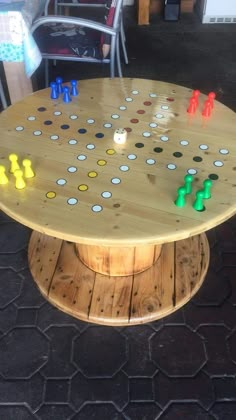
(109, 245)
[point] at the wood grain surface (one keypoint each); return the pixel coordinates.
(124, 194)
(127, 300)
(118, 261)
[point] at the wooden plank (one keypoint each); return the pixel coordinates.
(18, 84)
(43, 254)
(143, 12)
(152, 295)
(118, 261)
(186, 6)
(145, 259)
(74, 288)
(111, 300)
(192, 260)
(72, 284)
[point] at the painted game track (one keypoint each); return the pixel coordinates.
(83, 174)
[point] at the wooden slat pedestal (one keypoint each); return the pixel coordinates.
(118, 300)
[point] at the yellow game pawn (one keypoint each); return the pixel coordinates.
(14, 163)
(20, 183)
(3, 177)
(28, 172)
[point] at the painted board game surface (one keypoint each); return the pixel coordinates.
(89, 189)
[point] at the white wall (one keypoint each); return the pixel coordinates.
(128, 2)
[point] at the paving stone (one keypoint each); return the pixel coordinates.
(100, 390)
(216, 258)
(16, 412)
(230, 273)
(23, 352)
(185, 411)
(214, 291)
(50, 315)
(22, 391)
(141, 389)
(155, 325)
(27, 316)
(17, 262)
(4, 218)
(30, 295)
(225, 388)
(139, 361)
(54, 412)
(56, 390)
(14, 237)
(59, 362)
(142, 411)
(224, 410)
(227, 237)
(198, 389)
(218, 356)
(176, 350)
(212, 238)
(93, 351)
(176, 318)
(10, 286)
(98, 412)
(232, 346)
(8, 318)
(196, 316)
(229, 259)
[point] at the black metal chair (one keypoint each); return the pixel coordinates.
(59, 5)
(84, 40)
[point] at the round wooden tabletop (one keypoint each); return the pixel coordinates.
(90, 190)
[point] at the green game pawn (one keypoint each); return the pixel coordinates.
(207, 184)
(198, 203)
(188, 179)
(180, 200)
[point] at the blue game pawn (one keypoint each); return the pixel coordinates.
(59, 85)
(54, 93)
(66, 94)
(74, 90)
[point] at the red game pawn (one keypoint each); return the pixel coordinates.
(207, 109)
(211, 97)
(192, 106)
(196, 94)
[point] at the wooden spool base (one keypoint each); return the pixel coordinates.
(118, 261)
(128, 300)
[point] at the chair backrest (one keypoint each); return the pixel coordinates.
(73, 38)
(113, 15)
(80, 2)
(114, 7)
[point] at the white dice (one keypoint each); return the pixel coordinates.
(120, 136)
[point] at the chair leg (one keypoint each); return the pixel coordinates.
(123, 39)
(2, 96)
(55, 7)
(118, 56)
(46, 72)
(112, 56)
